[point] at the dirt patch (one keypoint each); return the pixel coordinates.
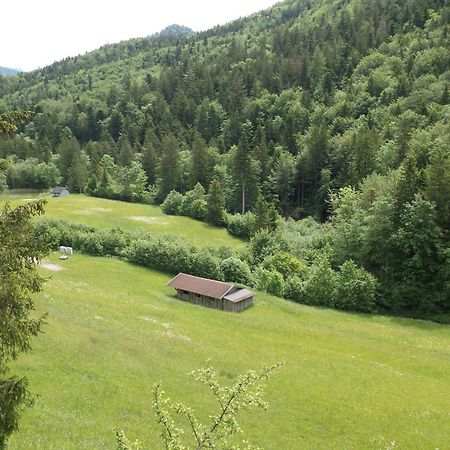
(52, 267)
(147, 219)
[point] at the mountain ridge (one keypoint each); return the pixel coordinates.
(7, 71)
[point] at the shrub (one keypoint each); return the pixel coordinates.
(172, 203)
(198, 193)
(269, 281)
(89, 243)
(285, 264)
(235, 271)
(318, 287)
(293, 289)
(204, 264)
(198, 209)
(60, 232)
(265, 244)
(354, 288)
(113, 241)
(51, 233)
(242, 225)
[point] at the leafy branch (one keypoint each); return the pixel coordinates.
(246, 393)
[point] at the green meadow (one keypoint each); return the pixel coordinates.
(104, 213)
(114, 329)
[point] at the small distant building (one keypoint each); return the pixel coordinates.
(59, 191)
(211, 293)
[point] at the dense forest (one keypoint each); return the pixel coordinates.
(332, 110)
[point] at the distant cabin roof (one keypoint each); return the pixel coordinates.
(209, 288)
(59, 189)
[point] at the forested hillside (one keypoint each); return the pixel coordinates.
(333, 109)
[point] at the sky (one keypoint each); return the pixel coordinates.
(35, 33)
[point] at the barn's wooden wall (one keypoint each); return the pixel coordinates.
(209, 302)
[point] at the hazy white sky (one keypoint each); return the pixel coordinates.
(35, 33)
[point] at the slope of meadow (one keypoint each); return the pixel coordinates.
(114, 329)
(103, 213)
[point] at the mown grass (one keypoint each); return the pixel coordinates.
(114, 329)
(103, 213)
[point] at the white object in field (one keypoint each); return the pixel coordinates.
(66, 250)
(63, 257)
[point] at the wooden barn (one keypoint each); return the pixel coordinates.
(211, 293)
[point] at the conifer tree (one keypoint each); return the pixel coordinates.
(125, 151)
(408, 184)
(169, 170)
(437, 187)
(200, 167)
(78, 173)
(216, 204)
(20, 251)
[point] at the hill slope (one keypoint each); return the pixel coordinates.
(114, 329)
(107, 214)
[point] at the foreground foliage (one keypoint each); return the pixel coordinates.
(246, 393)
(20, 251)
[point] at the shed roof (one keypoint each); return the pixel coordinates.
(59, 189)
(199, 285)
(238, 295)
(210, 288)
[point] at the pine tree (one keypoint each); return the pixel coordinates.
(20, 251)
(78, 172)
(216, 204)
(125, 151)
(169, 170)
(200, 170)
(244, 170)
(266, 215)
(437, 187)
(409, 183)
(364, 146)
(282, 179)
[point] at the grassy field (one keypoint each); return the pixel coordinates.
(114, 329)
(103, 213)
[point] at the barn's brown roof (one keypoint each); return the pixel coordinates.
(210, 288)
(199, 285)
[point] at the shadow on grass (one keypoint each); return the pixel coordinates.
(433, 323)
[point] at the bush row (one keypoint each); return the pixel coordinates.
(275, 270)
(192, 204)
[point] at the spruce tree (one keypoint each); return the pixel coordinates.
(200, 169)
(169, 170)
(20, 251)
(216, 204)
(437, 187)
(78, 172)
